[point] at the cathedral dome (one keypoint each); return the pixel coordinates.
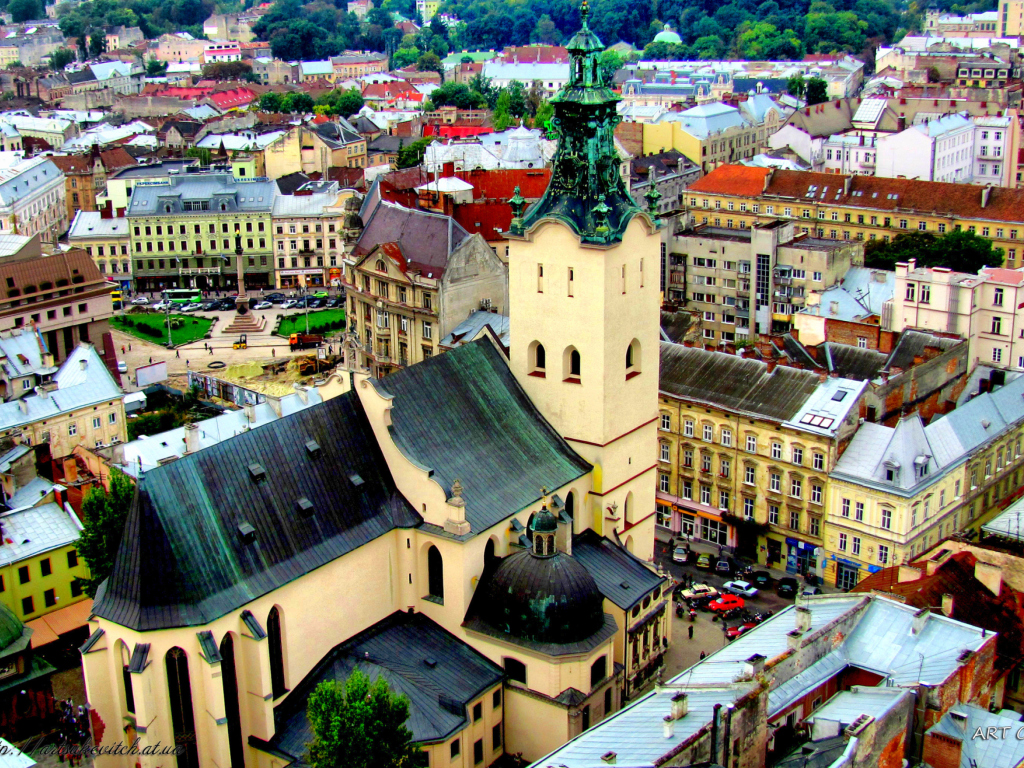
(544, 599)
(668, 36)
(11, 627)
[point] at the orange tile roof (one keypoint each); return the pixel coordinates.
(732, 180)
(48, 628)
(936, 198)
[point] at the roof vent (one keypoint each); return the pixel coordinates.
(985, 423)
(356, 479)
(857, 726)
(257, 472)
(609, 758)
(624, 584)
(430, 662)
(247, 533)
(965, 654)
(312, 448)
(305, 507)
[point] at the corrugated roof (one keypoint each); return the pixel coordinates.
(734, 383)
(913, 344)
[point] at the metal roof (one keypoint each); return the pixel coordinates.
(962, 723)
(92, 224)
(464, 415)
(33, 530)
(622, 578)
(439, 674)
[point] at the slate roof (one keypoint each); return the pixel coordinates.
(183, 562)
(912, 343)
(440, 675)
(21, 352)
(674, 326)
(431, 237)
(621, 577)
(464, 415)
(734, 383)
(852, 362)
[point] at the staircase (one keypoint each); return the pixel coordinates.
(247, 323)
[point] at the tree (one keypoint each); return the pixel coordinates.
(429, 62)
(546, 31)
(359, 725)
(300, 102)
(457, 95)
(270, 102)
(544, 113)
(348, 102)
(404, 57)
(105, 513)
(816, 91)
(227, 70)
(204, 154)
(707, 48)
(502, 119)
(61, 58)
(959, 250)
(97, 43)
(25, 10)
(412, 155)
(796, 86)
(155, 68)
(610, 63)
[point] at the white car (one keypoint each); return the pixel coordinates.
(742, 588)
(193, 307)
(140, 300)
(264, 305)
(160, 305)
(122, 366)
(289, 304)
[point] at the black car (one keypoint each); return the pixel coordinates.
(333, 302)
(274, 298)
(724, 566)
(211, 306)
(761, 579)
(787, 587)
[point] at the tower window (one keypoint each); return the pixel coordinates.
(538, 359)
(435, 574)
(540, 278)
(571, 364)
(571, 279)
(633, 359)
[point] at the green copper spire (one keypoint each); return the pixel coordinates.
(586, 191)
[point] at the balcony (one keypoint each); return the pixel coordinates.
(868, 163)
(783, 280)
(199, 271)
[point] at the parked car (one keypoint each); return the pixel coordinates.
(335, 302)
(726, 603)
(160, 306)
(211, 306)
(290, 303)
(744, 588)
(811, 591)
(320, 295)
(274, 298)
(122, 366)
(723, 566)
(318, 303)
(140, 300)
(787, 587)
(680, 555)
(191, 307)
(733, 632)
(704, 561)
(761, 579)
(264, 305)
(699, 591)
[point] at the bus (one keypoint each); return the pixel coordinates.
(183, 295)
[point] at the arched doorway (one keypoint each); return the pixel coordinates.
(570, 504)
(491, 559)
(435, 574)
(629, 544)
(179, 689)
(276, 649)
(229, 678)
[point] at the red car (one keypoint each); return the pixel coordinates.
(726, 603)
(733, 632)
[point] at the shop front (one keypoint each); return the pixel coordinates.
(845, 574)
(693, 521)
(301, 278)
(804, 558)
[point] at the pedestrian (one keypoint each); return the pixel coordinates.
(129, 347)
(151, 361)
(273, 352)
(122, 349)
(186, 362)
(691, 631)
(177, 353)
(703, 655)
(211, 350)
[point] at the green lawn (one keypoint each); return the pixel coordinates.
(320, 321)
(191, 328)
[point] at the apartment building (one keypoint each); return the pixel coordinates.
(413, 277)
(970, 25)
(54, 131)
(185, 234)
(1011, 18)
(178, 47)
(981, 308)
(745, 282)
(741, 440)
(939, 150)
(85, 176)
(995, 143)
(897, 491)
(106, 239)
(217, 51)
(32, 197)
(848, 207)
(350, 65)
(308, 244)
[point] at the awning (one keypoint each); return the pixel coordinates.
(48, 628)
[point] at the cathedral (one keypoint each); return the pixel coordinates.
(476, 528)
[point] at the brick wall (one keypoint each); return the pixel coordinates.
(941, 751)
(844, 332)
(631, 137)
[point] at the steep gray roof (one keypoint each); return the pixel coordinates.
(734, 383)
(912, 343)
(216, 188)
(620, 576)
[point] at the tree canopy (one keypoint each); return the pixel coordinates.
(61, 58)
(360, 725)
(105, 513)
(153, 17)
(960, 250)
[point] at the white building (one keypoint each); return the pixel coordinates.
(32, 197)
(992, 162)
(217, 51)
(939, 150)
(850, 152)
(552, 77)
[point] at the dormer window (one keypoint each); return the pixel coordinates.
(892, 471)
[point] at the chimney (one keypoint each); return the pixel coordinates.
(669, 727)
(250, 412)
(920, 619)
(793, 638)
(847, 184)
(754, 665)
(191, 438)
(907, 573)
(680, 706)
(986, 193)
(768, 179)
(771, 365)
(43, 391)
(822, 376)
(23, 404)
(947, 605)
(84, 363)
(803, 618)
(70, 470)
(989, 575)
(456, 523)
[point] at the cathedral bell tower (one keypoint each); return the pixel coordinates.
(584, 305)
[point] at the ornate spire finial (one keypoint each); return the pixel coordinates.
(544, 496)
(457, 489)
(518, 203)
(584, 12)
(601, 211)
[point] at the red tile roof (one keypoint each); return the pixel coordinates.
(963, 201)
(117, 158)
(485, 219)
(73, 164)
(542, 54)
(236, 97)
(500, 184)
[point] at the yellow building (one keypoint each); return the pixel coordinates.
(421, 510)
(897, 491)
(106, 240)
(839, 207)
(1011, 18)
(745, 466)
(42, 571)
(81, 405)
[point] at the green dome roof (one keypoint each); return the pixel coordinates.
(10, 627)
(668, 36)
